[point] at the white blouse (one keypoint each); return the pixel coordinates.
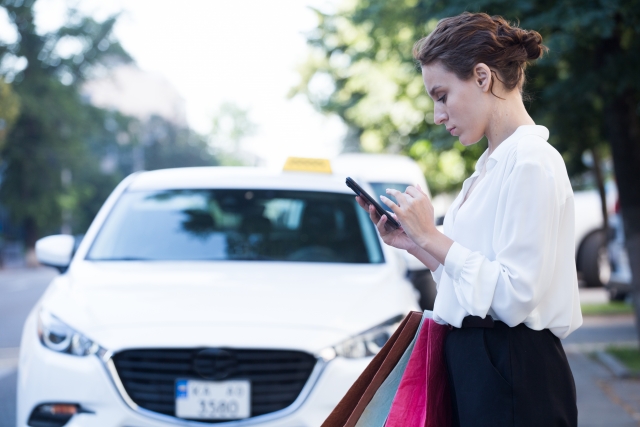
(513, 251)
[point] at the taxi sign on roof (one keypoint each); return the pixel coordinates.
(305, 164)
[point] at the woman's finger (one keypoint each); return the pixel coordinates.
(414, 192)
(387, 201)
(380, 225)
(400, 197)
(373, 214)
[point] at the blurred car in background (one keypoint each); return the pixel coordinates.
(592, 259)
(236, 296)
(619, 283)
(382, 171)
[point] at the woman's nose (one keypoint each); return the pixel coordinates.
(439, 116)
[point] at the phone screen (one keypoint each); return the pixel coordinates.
(381, 211)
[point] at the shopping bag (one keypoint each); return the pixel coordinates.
(376, 412)
(423, 396)
(439, 412)
(350, 408)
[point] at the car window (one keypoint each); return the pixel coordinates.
(380, 189)
(247, 224)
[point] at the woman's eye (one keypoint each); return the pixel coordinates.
(443, 98)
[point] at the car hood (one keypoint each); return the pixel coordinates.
(250, 304)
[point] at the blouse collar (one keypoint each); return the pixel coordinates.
(500, 152)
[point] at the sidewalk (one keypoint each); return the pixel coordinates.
(603, 399)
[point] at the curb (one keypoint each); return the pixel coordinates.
(594, 347)
(613, 364)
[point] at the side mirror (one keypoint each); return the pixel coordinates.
(55, 251)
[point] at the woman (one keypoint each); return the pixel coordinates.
(504, 265)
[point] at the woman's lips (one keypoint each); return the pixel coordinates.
(452, 130)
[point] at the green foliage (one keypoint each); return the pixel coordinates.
(63, 156)
(230, 127)
(49, 138)
(9, 110)
(606, 309)
(630, 357)
(360, 67)
(169, 146)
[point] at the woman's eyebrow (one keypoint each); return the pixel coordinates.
(433, 89)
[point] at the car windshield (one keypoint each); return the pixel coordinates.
(274, 225)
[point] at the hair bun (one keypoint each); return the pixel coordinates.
(532, 43)
(512, 35)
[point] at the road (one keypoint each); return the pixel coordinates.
(19, 291)
(601, 399)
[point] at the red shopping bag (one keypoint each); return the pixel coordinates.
(423, 398)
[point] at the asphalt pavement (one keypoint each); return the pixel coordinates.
(19, 291)
(603, 400)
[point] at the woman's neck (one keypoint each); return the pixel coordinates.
(508, 115)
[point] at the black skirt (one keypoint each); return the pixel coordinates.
(509, 377)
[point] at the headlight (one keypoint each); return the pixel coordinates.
(368, 343)
(57, 336)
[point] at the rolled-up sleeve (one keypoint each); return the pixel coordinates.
(524, 243)
(437, 274)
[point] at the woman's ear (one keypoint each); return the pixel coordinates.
(482, 76)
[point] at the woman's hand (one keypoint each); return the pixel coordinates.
(414, 212)
(395, 237)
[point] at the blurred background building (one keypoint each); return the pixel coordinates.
(134, 92)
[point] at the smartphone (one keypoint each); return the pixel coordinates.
(367, 198)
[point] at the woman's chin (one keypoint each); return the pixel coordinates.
(466, 140)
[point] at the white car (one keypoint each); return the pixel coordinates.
(382, 171)
(235, 296)
(592, 259)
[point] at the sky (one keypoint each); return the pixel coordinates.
(214, 51)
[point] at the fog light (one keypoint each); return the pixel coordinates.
(54, 414)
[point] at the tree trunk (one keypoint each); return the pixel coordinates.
(30, 233)
(623, 126)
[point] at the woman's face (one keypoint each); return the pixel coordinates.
(461, 105)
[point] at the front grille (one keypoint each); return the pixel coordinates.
(277, 377)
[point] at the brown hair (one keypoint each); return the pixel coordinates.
(460, 42)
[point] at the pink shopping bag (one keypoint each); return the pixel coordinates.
(423, 398)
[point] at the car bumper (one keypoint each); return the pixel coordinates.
(45, 376)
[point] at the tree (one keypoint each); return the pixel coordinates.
(586, 90)
(231, 126)
(47, 145)
(170, 146)
(361, 68)
(9, 110)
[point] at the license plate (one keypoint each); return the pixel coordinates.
(213, 400)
